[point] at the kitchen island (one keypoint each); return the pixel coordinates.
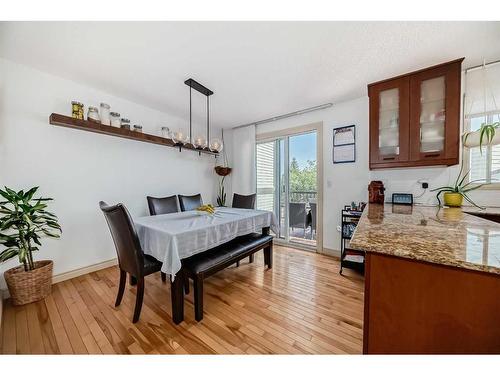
(432, 280)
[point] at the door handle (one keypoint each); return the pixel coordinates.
(432, 155)
(390, 158)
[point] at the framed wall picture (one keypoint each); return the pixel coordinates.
(344, 144)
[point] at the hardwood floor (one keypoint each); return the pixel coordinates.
(302, 305)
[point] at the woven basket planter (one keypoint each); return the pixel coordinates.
(26, 287)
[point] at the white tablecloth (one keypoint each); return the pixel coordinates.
(172, 237)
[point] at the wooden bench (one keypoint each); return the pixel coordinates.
(200, 266)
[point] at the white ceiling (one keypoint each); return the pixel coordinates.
(256, 69)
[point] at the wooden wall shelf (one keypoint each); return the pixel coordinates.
(69, 122)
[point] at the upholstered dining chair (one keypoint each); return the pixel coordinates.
(160, 206)
(244, 201)
(131, 258)
(190, 202)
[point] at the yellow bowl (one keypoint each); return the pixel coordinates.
(453, 199)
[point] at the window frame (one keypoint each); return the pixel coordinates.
(490, 115)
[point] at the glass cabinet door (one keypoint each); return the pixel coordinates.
(388, 122)
(432, 114)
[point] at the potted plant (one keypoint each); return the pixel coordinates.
(221, 196)
(455, 194)
(24, 220)
(223, 171)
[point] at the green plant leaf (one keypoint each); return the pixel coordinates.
(8, 254)
(443, 187)
(471, 201)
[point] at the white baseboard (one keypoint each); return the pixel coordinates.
(71, 274)
(331, 252)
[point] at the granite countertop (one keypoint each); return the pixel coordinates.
(447, 236)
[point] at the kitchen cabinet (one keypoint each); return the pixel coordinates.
(415, 118)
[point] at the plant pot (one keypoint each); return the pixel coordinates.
(29, 286)
(453, 199)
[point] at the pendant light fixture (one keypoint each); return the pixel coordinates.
(200, 142)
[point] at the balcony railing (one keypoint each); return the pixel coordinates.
(303, 196)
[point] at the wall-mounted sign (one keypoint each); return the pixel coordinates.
(344, 144)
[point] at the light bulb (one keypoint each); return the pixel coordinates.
(216, 145)
(200, 142)
(179, 137)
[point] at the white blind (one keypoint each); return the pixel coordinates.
(265, 176)
(482, 90)
(482, 105)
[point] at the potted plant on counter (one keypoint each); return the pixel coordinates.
(24, 220)
(454, 194)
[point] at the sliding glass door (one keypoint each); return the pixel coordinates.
(287, 185)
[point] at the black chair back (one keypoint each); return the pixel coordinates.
(313, 215)
(160, 206)
(190, 202)
(297, 216)
(244, 201)
(128, 247)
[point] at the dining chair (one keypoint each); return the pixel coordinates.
(313, 217)
(131, 258)
(160, 206)
(190, 202)
(244, 201)
(297, 216)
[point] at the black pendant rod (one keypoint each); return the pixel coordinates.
(190, 115)
(208, 120)
(205, 91)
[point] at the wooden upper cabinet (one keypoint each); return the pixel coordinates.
(415, 118)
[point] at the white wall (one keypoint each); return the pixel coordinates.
(78, 169)
(344, 183)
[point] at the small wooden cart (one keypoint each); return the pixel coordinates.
(350, 258)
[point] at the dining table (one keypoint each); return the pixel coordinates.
(172, 237)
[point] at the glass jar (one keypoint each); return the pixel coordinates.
(165, 132)
(93, 114)
(125, 123)
(105, 119)
(115, 119)
(138, 128)
(77, 110)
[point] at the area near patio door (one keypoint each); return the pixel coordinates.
(287, 185)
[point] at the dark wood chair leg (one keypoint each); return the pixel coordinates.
(163, 276)
(250, 258)
(121, 287)
(186, 284)
(133, 280)
(198, 298)
(177, 297)
(138, 299)
(237, 263)
(268, 256)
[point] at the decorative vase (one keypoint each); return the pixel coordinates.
(453, 199)
(29, 286)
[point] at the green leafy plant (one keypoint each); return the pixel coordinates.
(487, 131)
(221, 196)
(461, 187)
(24, 220)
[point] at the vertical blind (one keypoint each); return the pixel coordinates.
(265, 175)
